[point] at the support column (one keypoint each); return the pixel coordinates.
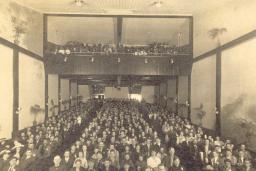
(218, 93)
(189, 97)
(45, 23)
(59, 95)
(177, 94)
(69, 89)
(16, 109)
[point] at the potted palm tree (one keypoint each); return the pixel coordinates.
(216, 33)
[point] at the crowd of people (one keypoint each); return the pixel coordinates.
(107, 49)
(34, 147)
(125, 135)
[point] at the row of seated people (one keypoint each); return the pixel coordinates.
(106, 49)
(119, 138)
(34, 148)
(123, 137)
(197, 150)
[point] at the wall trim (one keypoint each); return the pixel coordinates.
(21, 49)
(226, 46)
(120, 15)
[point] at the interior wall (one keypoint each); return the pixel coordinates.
(112, 92)
(203, 92)
(13, 17)
(73, 92)
(183, 96)
(31, 89)
(84, 91)
(6, 91)
(226, 16)
(64, 92)
(52, 94)
(157, 94)
(148, 93)
(238, 93)
(171, 94)
(163, 93)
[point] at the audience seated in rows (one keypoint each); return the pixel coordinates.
(126, 135)
(33, 148)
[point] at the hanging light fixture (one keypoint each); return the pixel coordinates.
(92, 59)
(118, 59)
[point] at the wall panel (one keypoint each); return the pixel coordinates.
(112, 92)
(183, 96)
(52, 94)
(163, 93)
(171, 94)
(31, 89)
(83, 90)
(203, 92)
(73, 92)
(64, 93)
(32, 36)
(148, 93)
(238, 93)
(6, 91)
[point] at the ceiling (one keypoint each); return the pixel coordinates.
(141, 6)
(111, 80)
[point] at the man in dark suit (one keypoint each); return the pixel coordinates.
(247, 166)
(57, 166)
(67, 161)
(27, 163)
(176, 165)
(228, 166)
(108, 167)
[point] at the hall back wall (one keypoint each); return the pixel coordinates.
(238, 93)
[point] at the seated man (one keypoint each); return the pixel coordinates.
(57, 166)
(108, 167)
(67, 161)
(247, 166)
(176, 165)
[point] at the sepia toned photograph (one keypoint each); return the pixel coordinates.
(127, 85)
